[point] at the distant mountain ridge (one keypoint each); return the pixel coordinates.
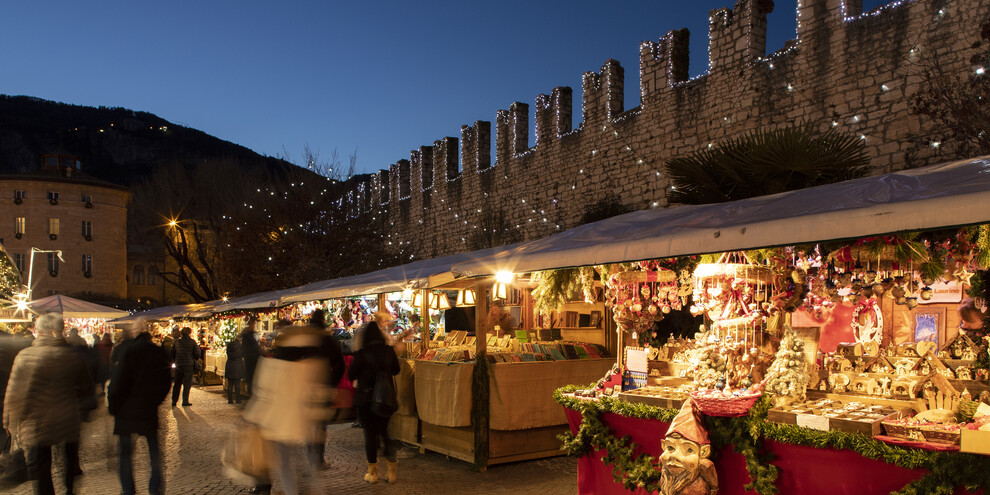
(116, 144)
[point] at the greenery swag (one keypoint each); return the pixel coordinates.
(746, 434)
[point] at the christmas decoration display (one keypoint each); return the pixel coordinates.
(788, 375)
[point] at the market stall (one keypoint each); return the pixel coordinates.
(90, 318)
(892, 397)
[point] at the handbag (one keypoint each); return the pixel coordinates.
(383, 400)
(247, 457)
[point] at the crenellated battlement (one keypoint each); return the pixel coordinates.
(847, 69)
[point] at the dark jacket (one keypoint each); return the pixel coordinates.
(252, 351)
(46, 384)
(234, 369)
(373, 356)
(185, 352)
(138, 384)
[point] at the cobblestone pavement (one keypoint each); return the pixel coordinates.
(193, 436)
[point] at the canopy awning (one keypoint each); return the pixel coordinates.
(270, 299)
(416, 275)
(945, 195)
(73, 308)
(197, 310)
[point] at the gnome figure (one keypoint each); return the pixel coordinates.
(684, 463)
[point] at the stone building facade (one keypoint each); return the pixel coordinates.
(84, 218)
(848, 69)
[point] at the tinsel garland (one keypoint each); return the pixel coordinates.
(946, 470)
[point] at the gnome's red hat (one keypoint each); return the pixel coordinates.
(688, 425)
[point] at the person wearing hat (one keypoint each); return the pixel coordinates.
(685, 465)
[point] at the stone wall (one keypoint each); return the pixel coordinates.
(847, 69)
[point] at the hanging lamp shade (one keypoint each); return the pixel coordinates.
(500, 290)
(465, 297)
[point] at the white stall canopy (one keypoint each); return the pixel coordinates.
(416, 275)
(270, 299)
(945, 195)
(73, 308)
(197, 310)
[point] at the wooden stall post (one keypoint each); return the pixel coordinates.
(424, 318)
(480, 387)
(381, 302)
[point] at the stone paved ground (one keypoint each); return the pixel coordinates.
(193, 437)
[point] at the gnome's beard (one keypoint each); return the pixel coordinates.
(672, 482)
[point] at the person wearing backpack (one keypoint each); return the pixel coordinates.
(373, 367)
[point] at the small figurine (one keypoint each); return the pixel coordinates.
(685, 467)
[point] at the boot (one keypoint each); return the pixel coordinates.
(372, 475)
(393, 471)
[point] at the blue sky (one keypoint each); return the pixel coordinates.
(379, 77)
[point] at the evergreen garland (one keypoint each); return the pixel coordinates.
(227, 331)
(946, 470)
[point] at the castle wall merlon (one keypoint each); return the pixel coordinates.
(562, 110)
(738, 36)
(519, 127)
(502, 141)
(613, 82)
(404, 179)
(483, 144)
(544, 119)
(384, 191)
(424, 162)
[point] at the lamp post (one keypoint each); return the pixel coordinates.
(34, 250)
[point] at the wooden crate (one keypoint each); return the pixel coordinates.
(454, 442)
(404, 427)
(519, 445)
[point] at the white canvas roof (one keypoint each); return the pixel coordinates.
(198, 310)
(416, 275)
(73, 308)
(945, 195)
(270, 299)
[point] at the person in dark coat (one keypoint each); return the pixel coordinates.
(251, 350)
(139, 383)
(234, 370)
(374, 356)
(41, 408)
(103, 349)
(185, 353)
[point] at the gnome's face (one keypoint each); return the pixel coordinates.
(681, 454)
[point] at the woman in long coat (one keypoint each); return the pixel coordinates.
(234, 370)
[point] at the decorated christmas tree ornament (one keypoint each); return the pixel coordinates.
(926, 293)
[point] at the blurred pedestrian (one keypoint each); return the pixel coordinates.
(185, 355)
(289, 402)
(329, 350)
(251, 350)
(234, 370)
(103, 349)
(41, 408)
(139, 382)
(375, 356)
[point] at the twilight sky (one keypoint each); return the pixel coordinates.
(381, 77)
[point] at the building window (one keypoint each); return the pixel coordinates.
(153, 275)
(87, 230)
(19, 262)
(20, 226)
(87, 265)
(52, 264)
(53, 230)
(88, 199)
(19, 196)
(53, 197)
(138, 275)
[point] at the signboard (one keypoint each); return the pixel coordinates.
(942, 292)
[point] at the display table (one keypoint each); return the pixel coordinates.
(524, 419)
(216, 363)
(803, 470)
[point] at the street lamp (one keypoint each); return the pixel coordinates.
(34, 250)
